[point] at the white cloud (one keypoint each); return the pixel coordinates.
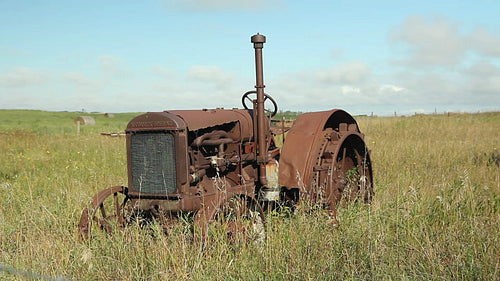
(23, 76)
(393, 88)
(80, 79)
(348, 73)
(355, 84)
(483, 79)
(109, 62)
(483, 69)
(435, 42)
(113, 65)
(407, 89)
(321, 89)
(15, 52)
(440, 42)
(484, 42)
(162, 71)
(209, 74)
(349, 90)
(436, 69)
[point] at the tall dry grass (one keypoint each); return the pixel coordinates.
(435, 213)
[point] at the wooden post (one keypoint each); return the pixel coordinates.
(283, 128)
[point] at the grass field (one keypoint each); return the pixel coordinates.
(435, 214)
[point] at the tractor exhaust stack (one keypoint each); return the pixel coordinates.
(258, 41)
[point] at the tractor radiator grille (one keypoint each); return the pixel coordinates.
(153, 162)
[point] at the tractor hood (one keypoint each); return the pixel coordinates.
(193, 120)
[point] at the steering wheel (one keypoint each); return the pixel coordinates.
(246, 97)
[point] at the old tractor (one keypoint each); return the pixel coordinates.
(225, 163)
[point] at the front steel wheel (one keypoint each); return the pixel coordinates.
(106, 211)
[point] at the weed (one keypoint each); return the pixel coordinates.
(435, 215)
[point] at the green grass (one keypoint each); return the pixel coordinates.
(52, 123)
(435, 214)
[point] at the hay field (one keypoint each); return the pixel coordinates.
(435, 214)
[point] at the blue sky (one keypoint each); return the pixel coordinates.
(362, 56)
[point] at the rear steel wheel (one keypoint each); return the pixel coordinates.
(343, 170)
(326, 159)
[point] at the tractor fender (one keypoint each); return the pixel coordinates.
(303, 142)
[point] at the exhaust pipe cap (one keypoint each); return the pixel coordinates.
(258, 39)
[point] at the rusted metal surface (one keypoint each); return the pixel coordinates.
(153, 120)
(97, 213)
(205, 161)
(258, 41)
(199, 119)
(249, 102)
(319, 170)
(218, 205)
(305, 136)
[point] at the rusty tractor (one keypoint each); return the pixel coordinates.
(225, 163)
